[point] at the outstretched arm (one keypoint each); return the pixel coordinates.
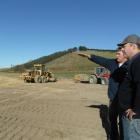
(105, 62)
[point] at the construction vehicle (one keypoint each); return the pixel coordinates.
(100, 76)
(38, 75)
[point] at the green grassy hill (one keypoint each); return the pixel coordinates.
(71, 63)
(65, 64)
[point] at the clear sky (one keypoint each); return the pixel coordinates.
(30, 29)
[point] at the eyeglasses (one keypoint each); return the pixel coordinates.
(125, 45)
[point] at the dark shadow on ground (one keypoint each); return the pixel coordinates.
(103, 110)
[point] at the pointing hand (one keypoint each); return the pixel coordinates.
(84, 55)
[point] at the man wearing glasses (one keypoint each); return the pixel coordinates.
(129, 91)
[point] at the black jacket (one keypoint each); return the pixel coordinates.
(129, 91)
(117, 73)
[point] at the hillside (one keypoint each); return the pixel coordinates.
(41, 60)
(74, 62)
(67, 63)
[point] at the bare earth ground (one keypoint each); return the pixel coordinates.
(53, 111)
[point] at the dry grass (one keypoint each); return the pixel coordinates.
(71, 64)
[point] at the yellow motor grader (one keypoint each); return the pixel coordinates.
(38, 75)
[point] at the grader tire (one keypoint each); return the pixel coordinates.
(93, 79)
(38, 79)
(104, 81)
(44, 80)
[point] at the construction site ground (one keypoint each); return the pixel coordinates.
(63, 110)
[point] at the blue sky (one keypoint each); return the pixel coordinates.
(30, 29)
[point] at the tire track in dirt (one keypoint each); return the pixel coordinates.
(56, 111)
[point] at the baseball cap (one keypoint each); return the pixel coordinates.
(130, 39)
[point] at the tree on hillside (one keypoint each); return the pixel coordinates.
(83, 48)
(41, 60)
(72, 49)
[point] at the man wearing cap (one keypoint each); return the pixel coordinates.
(129, 91)
(118, 68)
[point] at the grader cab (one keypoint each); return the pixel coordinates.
(39, 74)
